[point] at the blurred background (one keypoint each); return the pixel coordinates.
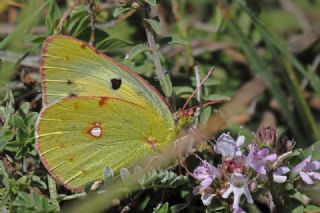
(266, 56)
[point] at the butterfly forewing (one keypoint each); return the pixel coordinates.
(71, 67)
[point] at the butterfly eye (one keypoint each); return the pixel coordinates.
(116, 83)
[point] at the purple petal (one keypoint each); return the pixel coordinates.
(259, 168)
(237, 192)
(238, 152)
(262, 153)
(200, 173)
(212, 170)
(278, 175)
(239, 210)
(306, 178)
(206, 198)
(247, 194)
(301, 165)
(316, 164)
(225, 138)
(225, 145)
(206, 182)
(250, 156)
(282, 170)
(240, 140)
(239, 179)
(315, 175)
(279, 178)
(271, 157)
(227, 193)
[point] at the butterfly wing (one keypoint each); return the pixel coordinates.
(79, 137)
(71, 67)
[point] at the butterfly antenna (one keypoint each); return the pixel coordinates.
(198, 87)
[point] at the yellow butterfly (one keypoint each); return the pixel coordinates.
(97, 114)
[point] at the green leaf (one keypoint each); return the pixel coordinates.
(166, 85)
(80, 27)
(120, 10)
(108, 176)
(178, 207)
(33, 202)
(22, 135)
(217, 97)
(3, 144)
(138, 172)
(151, 2)
(125, 174)
(136, 50)
(22, 29)
(313, 150)
(183, 91)
(178, 40)
(112, 43)
(31, 118)
(299, 209)
(178, 181)
(3, 171)
(53, 16)
(38, 39)
(76, 16)
(155, 25)
(312, 209)
(205, 114)
(163, 209)
(17, 121)
(25, 107)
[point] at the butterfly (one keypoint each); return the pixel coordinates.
(97, 113)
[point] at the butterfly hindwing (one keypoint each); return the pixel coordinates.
(79, 137)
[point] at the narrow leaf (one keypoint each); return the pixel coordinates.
(155, 25)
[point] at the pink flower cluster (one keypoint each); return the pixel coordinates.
(243, 168)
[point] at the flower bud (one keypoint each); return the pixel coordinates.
(267, 135)
(253, 186)
(135, 5)
(285, 145)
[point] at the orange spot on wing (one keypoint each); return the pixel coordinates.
(103, 101)
(152, 142)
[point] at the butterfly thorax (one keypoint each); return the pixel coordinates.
(184, 118)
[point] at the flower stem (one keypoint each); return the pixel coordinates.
(164, 80)
(276, 197)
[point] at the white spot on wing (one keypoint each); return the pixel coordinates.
(96, 131)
